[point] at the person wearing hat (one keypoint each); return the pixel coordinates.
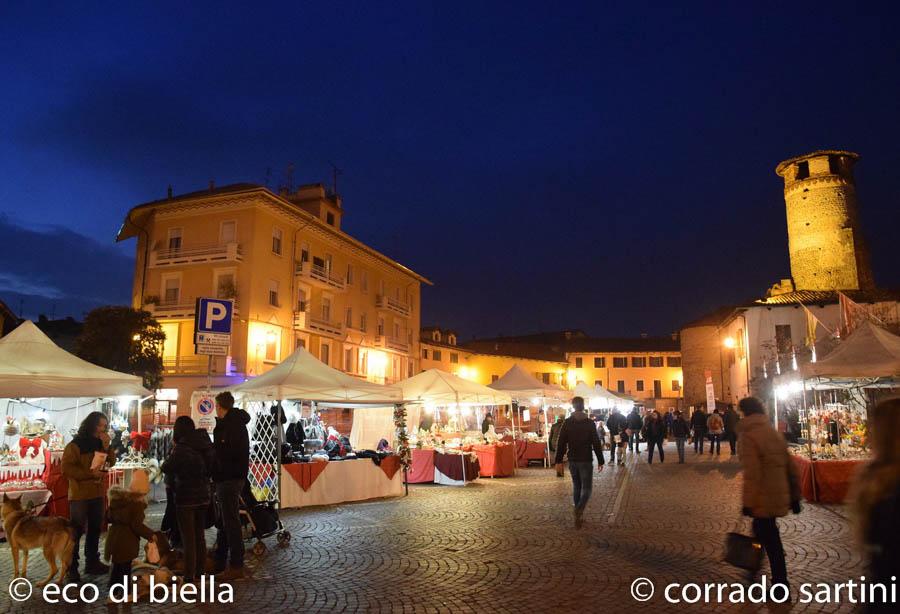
(126, 525)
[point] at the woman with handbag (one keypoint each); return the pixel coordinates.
(771, 489)
(876, 499)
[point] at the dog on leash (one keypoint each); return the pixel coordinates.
(25, 532)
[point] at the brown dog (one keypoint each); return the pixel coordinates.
(26, 532)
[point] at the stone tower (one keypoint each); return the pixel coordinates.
(824, 237)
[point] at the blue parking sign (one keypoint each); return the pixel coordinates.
(213, 315)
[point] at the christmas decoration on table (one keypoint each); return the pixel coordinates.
(12, 427)
(402, 438)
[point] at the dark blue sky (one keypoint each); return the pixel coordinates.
(547, 165)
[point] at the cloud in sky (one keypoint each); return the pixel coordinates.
(53, 270)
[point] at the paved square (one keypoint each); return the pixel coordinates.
(507, 545)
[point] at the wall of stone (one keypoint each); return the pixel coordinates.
(701, 351)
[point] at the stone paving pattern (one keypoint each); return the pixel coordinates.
(507, 545)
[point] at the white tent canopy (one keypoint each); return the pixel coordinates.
(869, 351)
(523, 387)
(436, 387)
(32, 366)
(598, 397)
(302, 376)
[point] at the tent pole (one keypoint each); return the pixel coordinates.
(547, 434)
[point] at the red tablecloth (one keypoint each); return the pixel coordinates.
(530, 450)
(496, 460)
(422, 469)
(390, 465)
(305, 473)
(832, 478)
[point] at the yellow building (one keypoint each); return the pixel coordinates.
(296, 279)
(646, 368)
(439, 350)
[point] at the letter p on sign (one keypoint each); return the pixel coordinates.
(213, 315)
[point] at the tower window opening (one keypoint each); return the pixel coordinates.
(834, 165)
(802, 170)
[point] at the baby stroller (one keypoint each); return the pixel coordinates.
(259, 521)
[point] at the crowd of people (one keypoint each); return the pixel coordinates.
(204, 477)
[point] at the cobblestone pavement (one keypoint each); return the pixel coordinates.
(507, 545)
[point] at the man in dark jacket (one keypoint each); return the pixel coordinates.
(635, 423)
(698, 423)
(731, 424)
(579, 437)
(615, 424)
(232, 448)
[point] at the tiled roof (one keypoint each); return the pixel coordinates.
(580, 345)
(817, 297)
(531, 351)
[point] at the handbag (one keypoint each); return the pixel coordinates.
(743, 551)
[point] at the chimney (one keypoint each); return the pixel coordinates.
(212, 185)
(169, 192)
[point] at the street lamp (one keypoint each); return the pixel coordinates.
(729, 342)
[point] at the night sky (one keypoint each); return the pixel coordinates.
(548, 165)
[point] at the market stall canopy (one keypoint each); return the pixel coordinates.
(32, 366)
(303, 376)
(597, 397)
(522, 386)
(436, 387)
(869, 351)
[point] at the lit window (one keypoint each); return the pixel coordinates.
(676, 385)
(273, 343)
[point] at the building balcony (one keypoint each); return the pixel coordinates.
(180, 256)
(180, 309)
(392, 343)
(392, 305)
(195, 365)
(319, 276)
(303, 320)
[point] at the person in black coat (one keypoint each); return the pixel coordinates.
(232, 447)
(681, 430)
(188, 469)
(731, 419)
(698, 423)
(579, 438)
(615, 424)
(635, 423)
(654, 434)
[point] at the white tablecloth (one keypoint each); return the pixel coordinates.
(341, 481)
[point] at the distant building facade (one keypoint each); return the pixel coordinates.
(296, 279)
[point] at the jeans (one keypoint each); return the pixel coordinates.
(582, 482)
(657, 444)
(715, 441)
(191, 523)
(86, 513)
(732, 442)
(766, 532)
(679, 445)
(634, 442)
(699, 436)
(119, 573)
(229, 539)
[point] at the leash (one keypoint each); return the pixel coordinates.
(31, 509)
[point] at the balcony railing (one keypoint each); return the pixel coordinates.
(196, 365)
(386, 302)
(320, 276)
(179, 256)
(392, 343)
(303, 320)
(176, 309)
